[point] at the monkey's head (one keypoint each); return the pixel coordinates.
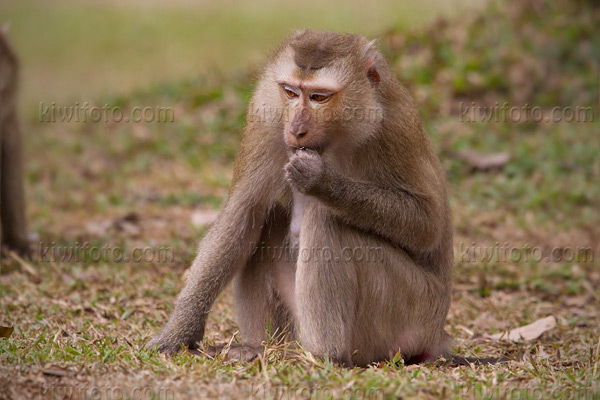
(328, 89)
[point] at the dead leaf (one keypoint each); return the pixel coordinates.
(527, 332)
(484, 162)
(128, 228)
(132, 217)
(6, 331)
(486, 321)
(55, 371)
(129, 224)
(578, 301)
(98, 228)
(68, 279)
(469, 332)
(88, 276)
(204, 217)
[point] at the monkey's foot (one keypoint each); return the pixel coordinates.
(236, 352)
(169, 344)
(162, 346)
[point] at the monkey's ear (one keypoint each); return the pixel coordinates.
(370, 63)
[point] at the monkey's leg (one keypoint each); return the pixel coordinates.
(326, 288)
(260, 289)
(401, 307)
(362, 299)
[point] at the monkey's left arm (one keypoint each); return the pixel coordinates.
(409, 218)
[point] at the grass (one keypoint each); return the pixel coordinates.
(80, 325)
(79, 50)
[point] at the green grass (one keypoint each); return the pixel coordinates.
(78, 50)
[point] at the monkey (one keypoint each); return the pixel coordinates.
(12, 197)
(334, 161)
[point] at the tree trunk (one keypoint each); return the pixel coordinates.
(12, 196)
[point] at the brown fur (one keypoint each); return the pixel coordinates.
(314, 50)
(359, 184)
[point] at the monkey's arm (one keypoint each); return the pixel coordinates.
(224, 250)
(406, 217)
(226, 247)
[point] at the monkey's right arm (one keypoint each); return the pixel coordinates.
(225, 248)
(409, 217)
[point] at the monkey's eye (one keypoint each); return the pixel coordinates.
(319, 98)
(289, 92)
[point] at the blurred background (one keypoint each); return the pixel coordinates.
(76, 49)
(508, 93)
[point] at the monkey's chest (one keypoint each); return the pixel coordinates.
(299, 205)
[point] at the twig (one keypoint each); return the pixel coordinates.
(24, 264)
(597, 358)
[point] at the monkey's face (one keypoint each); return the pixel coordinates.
(309, 114)
(328, 91)
(327, 113)
(329, 107)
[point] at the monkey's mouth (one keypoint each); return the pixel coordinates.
(318, 149)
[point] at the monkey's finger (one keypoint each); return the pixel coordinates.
(293, 180)
(307, 152)
(296, 180)
(288, 176)
(292, 169)
(308, 158)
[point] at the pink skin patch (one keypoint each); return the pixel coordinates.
(419, 358)
(408, 344)
(297, 212)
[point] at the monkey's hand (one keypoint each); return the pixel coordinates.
(305, 170)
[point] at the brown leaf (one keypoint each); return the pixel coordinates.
(98, 228)
(486, 321)
(6, 331)
(484, 162)
(578, 301)
(128, 228)
(132, 217)
(204, 217)
(55, 371)
(129, 224)
(527, 332)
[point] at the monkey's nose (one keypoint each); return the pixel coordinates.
(294, 139)
(298, 132)
(300, 124)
